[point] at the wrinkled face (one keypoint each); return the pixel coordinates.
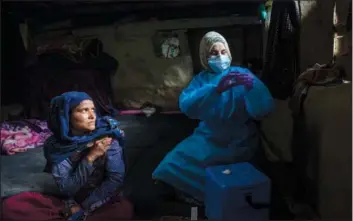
(218, 49)
(83, 118)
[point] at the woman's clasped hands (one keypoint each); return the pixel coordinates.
(235, 79)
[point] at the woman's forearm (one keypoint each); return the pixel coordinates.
(114, 171)
(70, 180)
(108, 188)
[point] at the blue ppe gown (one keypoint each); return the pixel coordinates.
(226, 134)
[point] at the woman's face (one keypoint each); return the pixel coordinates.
(83, 118)
(218, 49)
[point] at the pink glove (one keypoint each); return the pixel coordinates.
(234, 79)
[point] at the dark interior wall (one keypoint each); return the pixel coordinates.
(82, 14)
(12, 59)
(137, 63)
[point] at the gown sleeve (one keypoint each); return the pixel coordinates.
(258, 101)
(198, 100)
(201, 101)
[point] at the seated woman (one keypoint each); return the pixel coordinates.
(84, 156)
(227, 99)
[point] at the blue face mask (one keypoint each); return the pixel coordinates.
(219, 63)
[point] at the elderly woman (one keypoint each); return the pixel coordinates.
(227, 99)
(84, 155)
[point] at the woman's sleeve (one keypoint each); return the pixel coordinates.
(198, 100)
(70, 180)
(114, 176)
(258, 101)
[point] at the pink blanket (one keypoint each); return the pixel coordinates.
(22, 135)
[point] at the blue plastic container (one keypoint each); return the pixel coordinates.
(237, 192)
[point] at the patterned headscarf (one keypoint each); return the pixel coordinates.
(206, 44)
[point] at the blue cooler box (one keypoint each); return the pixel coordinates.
(237, 192)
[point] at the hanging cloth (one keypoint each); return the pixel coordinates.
(281, 66)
